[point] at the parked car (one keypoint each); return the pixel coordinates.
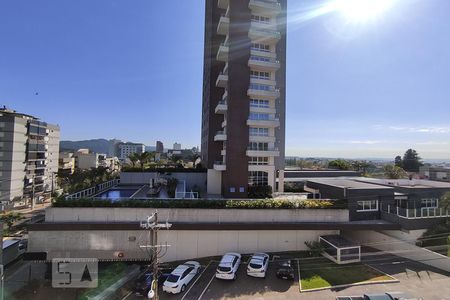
(384, 296)
(285, 270)
(143, 284)
(228, 266)
(257, 267)
(179, 279)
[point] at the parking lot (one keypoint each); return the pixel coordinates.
(415, 278)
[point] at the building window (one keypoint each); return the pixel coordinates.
(260, 58)
(260, 19)
(241, 190)
(258, 178)
(429, 203)
(258, 146)
(260, 47)
(254, 131)
(259, 103)
(369, 205)
(261, 87)
(259, 116)
(260, 75)
(258, 161)
(232, 190)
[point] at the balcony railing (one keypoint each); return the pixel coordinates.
(416, 213)
(268, 6)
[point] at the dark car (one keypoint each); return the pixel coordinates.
(285, 270)
(143, 283)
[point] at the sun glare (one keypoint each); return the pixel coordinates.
(362, 10)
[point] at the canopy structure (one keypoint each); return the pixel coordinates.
(339, 249)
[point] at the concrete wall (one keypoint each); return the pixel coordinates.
(184, 245)
(198, 179)
(196, 215)
(400, 244)
(214, 185)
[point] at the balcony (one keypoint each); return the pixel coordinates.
(416, 213)
(263, 153)
(263, 63)
(224, 124)
(271, 123)
(223, 152)
(222, 107)
(270, 93)
(222, 54)
(220, 166)
(264, 110)
(220, 136)
(262, 138)
(224, 24)
(222, 80)
(266, 7)
(257, 34)
(263, 168)
(223, 4)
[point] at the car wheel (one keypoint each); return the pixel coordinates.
(183, 287)
(235, 276)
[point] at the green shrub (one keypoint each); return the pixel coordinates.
(199, 204)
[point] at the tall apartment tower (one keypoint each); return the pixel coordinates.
(244, 92)
(29, 152)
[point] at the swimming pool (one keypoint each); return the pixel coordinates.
(115, 194)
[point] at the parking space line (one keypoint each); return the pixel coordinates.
(299, 278)
(185, 294)
(209, 283)
(127, 295)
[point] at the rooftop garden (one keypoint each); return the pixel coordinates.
(203, 204)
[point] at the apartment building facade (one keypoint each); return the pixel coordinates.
(244, 92)
(29, 153)
(126, 149)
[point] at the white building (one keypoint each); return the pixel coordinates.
(29, 152)
(126, 149)
(177, 146)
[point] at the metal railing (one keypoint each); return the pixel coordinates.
(416, 213)
(94, 190)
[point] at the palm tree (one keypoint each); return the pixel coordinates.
(144, 158)
(134, 157)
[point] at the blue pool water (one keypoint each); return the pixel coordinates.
(115, 194)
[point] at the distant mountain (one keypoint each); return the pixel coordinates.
(98, 145)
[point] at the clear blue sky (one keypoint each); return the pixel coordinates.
(133, 70)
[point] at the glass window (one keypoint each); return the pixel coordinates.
(429, 202)
(254, 131)
(258, 178)
(369, 205)
(259, 103)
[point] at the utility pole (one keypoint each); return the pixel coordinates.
(154, 250)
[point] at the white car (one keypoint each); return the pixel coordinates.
(180, 277)
(228, 266)
(258, 264)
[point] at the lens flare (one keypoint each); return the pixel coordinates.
(362, 10)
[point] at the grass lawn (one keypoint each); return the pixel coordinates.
(322, 273)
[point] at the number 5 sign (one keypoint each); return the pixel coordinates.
(74, 273)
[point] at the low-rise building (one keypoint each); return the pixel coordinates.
(435, 173)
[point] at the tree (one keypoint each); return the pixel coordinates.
(399, 161)
(411, 161)
(11, 218)
(134, 157)
(195, 157)
(144, 158)
(394, 172)
(340, 164)
(315, 248)
(445, 201)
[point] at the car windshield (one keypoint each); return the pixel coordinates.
(224, 269)
(254, 265)
(172, 278)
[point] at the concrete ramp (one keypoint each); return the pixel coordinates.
(400, 244)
